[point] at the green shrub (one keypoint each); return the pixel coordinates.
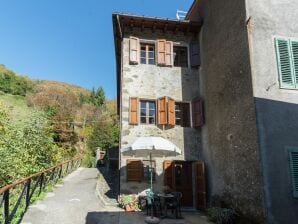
(88, 161)
(221, 215)
(14, 84)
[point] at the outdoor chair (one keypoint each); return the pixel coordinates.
(175, 204)
(157, 211)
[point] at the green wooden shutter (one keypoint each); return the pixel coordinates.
(286, 74)
(293, 157)
(294, 48)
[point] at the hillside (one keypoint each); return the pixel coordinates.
(79, 120)
(17, 106)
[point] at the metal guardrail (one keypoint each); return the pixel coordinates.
(26, 188)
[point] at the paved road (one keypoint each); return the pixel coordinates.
(73, 202)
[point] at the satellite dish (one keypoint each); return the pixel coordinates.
(180, 15)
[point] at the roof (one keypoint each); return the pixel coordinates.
(193, 9)
(142, 21)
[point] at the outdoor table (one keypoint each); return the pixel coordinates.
(164, 198)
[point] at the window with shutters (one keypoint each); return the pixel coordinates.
(287, 61)
(293, 158)
(134, 170)
(147, 112)
(180, 56)
(147, 54)
(182, 112)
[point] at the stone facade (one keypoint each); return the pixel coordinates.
(151, 82)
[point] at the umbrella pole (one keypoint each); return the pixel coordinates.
(151, 187)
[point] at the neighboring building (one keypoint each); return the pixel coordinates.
(248, 80)
(245, 73)
(158, 95)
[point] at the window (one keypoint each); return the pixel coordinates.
(180, 56)
(287, 60)
(182, 112)
(147, 54)
(146, 164)
(293, 158)
(147, 112)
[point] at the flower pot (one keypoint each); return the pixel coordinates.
(129, 208)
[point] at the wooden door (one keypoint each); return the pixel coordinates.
(178, 177)
(200, 185)
(183, 182)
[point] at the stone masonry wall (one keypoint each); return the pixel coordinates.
(230, 141)
(152, 82)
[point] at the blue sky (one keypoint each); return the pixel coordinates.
(69, 40)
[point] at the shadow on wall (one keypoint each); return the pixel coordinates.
(174, 177)
(135, 177)
(277, 126)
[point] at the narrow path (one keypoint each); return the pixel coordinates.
(72, 202)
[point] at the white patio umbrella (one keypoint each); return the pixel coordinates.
(152, 146)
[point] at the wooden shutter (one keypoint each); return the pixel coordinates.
(134, 46)
(169, 53)
(133, 110)
(171, 111)
(168, 170)
(134, 170)
(201, 185)
(194, 54)
(161, 52)
(197, 115)
(294, 47)
(293, 157)
(284, 63)
(162, 111)
(185, 115)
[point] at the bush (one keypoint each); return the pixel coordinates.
(221, 215)
(14, 84)
(88, 161)
(25, 147)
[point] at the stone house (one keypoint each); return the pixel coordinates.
(158, 95)
(248, 80)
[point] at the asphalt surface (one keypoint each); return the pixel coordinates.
(72, 202)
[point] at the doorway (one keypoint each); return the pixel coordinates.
(178, 177)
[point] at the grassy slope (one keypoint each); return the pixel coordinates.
(18, 109)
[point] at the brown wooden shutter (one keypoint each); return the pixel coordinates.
(134, 170)
(162, 111)
(161, 52)
(168, 168)
(201, 185)
(134, 45)
(197, 115)
(169, 53)
(133, 110)
(194, 54)
(171, 111)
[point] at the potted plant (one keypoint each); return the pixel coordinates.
(129, 202)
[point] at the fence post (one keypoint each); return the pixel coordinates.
(60, 171)
(28, 194)
(6, 206)
(41, 182)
